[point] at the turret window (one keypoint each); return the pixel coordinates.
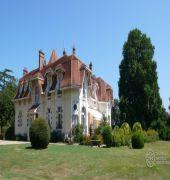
(20, 119)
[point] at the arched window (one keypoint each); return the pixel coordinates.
(75, 107)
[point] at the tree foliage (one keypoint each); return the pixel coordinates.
(7, 92)
(78, 133)
(138, 87)
(115, 113)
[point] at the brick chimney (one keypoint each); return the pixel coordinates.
(41, 59)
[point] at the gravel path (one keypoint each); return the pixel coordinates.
(3, 142)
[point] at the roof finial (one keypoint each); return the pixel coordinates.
(74, 49)
(64, 52)
(91, 66)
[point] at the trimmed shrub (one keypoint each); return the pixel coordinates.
(152, 135)
(137, 140)
(127, 134)
(107, 135)
(137, 127)
(78, 133)
(57, 136)
(9, 135)
(118, 137)
(39, 134)
(126, 128)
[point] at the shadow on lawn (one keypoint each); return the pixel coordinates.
(30, 147)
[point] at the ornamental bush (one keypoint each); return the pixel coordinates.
(39, 134)
(137, 127)
(116, 137)
(119, 138)
(127, 133)
(78, 133)
(137, 140)
(86, 140)
(107, 135)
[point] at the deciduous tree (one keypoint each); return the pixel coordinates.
(7, 92)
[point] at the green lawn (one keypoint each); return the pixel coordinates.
(81, 162)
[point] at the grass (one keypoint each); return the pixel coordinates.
(81, 162)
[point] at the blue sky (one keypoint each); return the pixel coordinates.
(98, 28)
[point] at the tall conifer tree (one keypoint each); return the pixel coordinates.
(138, 87)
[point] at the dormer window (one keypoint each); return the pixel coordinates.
(59, 80)
(48, 79)
(48, 83)
(95, 90)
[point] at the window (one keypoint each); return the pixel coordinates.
(84, 91)
(20, 119)
(75, 119)
(59, 118)
(36, 95)
(29, 119)
(49, 82)
(59, 79)
(83, 117)
(75, 107)
(95, 90)
(36, 115)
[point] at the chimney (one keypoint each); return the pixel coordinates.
(25, 71)
(41, 59)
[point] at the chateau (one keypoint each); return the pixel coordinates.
(64, 92)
